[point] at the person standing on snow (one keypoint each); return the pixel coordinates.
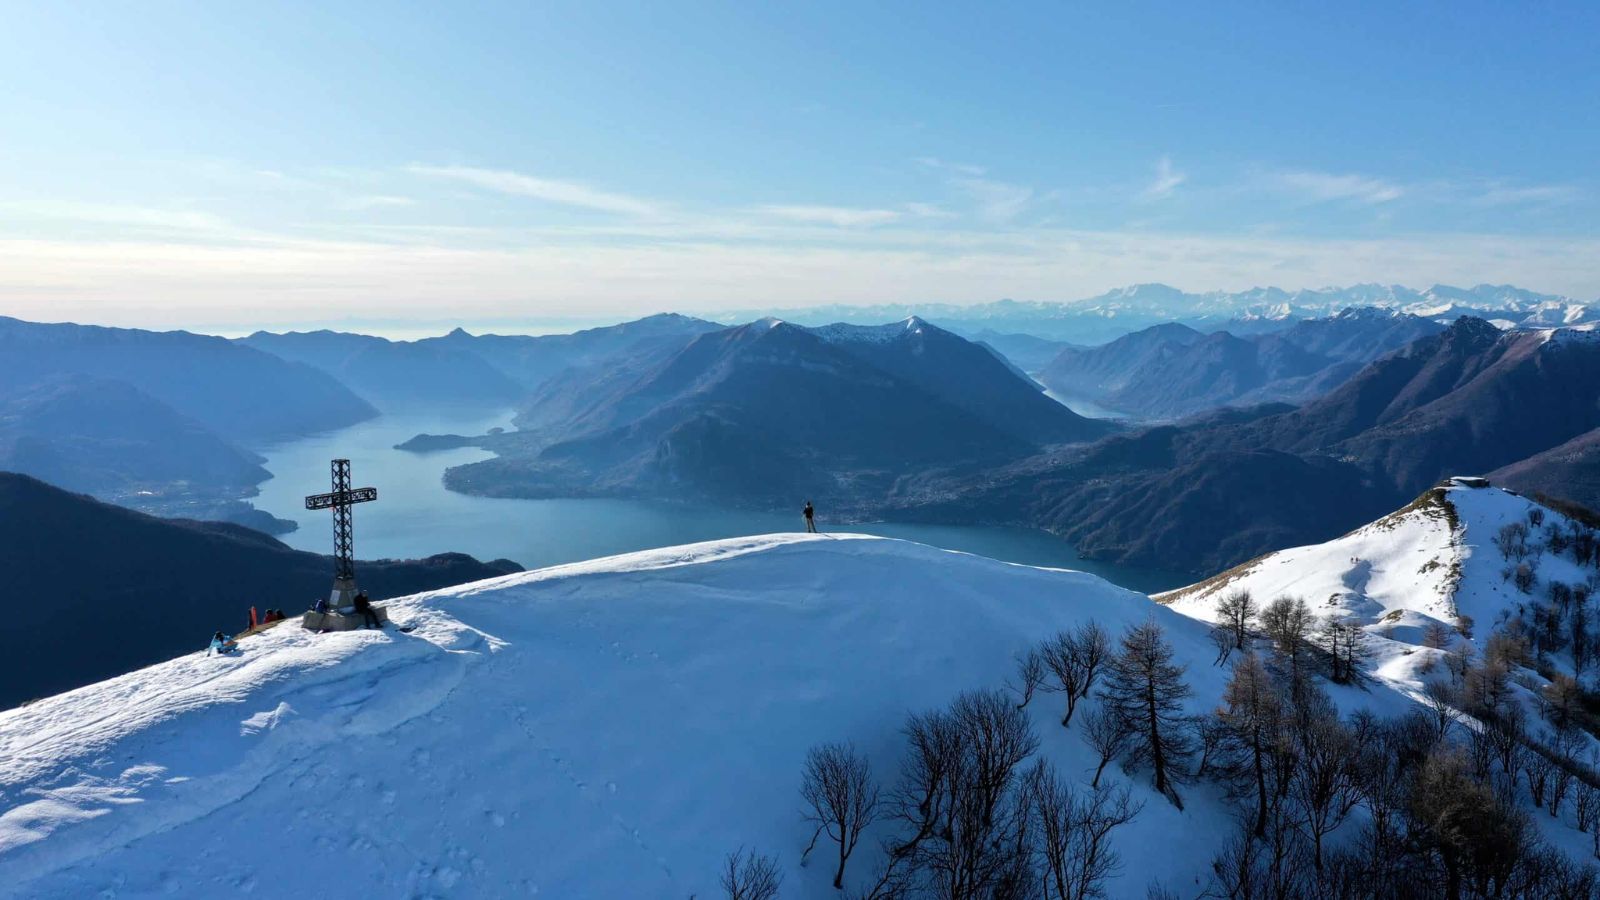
(811, 522)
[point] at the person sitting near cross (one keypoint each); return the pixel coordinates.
(364, 610)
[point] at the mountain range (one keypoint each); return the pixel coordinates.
(1209, 492)
(461, 369)
(1172, 371)
(1107, 316)
(93, 590)
(770, 411)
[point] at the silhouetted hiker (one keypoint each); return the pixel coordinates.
(811, 521)
(221, 643)
(364, 610)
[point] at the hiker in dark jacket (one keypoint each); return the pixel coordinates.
(811, 522)
(364, 610)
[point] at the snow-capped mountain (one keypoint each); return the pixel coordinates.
(1104, 317)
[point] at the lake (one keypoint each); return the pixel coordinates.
(415, 516)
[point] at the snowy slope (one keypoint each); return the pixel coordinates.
(609, 729)
(1433, 561)
(614, 728)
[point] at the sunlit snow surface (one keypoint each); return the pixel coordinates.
(606, 729)
(614, 728)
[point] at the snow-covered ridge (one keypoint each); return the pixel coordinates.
(607, 729)
(613, 728)
(1433, 562)
(843, 332)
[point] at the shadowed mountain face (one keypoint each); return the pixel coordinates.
(769, 411)
(396, 375)
(1570, 471)
(240, 393)
(1172, 371)
(94, 590)
(1216, 490)
(108, 438)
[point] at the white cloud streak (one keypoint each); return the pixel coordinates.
(837, 216)
(549, 190)
(1166, 181)
(1322, 187)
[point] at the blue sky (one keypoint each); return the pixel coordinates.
(233, 164)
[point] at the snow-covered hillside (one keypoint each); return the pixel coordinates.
(1435, 561)
(608, 729)
(615, 728)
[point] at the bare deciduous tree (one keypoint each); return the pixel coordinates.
(1222, 639)
(750, 876)
(1076, 659)
(959, 795)
(1253, 711)
(1106, 733)
(1031, 674)
(1324, 788)
(1287, 621)
(840, 798)
(1072, 834)
(1235, 612)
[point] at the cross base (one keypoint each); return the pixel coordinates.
(343, 594)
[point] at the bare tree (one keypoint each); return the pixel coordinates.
(1072, 834)
(1437, 634)
(959, 794)
(1539, 770)
(750, 876)
(1587, 805)
(841, 798)
(1287, 621)
(1440, 700)
(1342, 639)
(1076, 660)
(1107, 734)
(1512, 539)
(1235, 612)
(1145, 691)
(1562, 701)
(1325, 785)
(1253, 711)
(1031, 674)
(1223, 640)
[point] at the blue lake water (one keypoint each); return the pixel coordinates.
(415, 516)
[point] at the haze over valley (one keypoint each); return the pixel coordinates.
(835, 450)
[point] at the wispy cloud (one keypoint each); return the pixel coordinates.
(563, 193)
(1325, 187)
(375, 201)
(933, 162)
(1166, 181)
(1497, 194)
(997, 202)
(838, 216)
